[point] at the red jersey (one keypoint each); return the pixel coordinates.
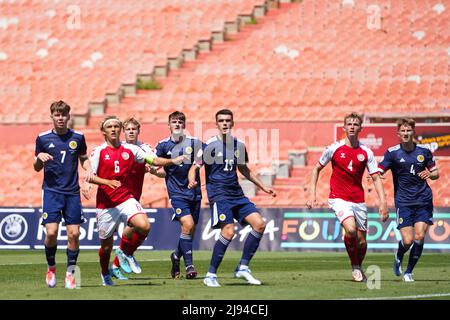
(348, 170)
(115, 164)
(138, 172)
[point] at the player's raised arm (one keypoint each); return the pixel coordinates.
(312, 201)
(163, 162)
(246, 172)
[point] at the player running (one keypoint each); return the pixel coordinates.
(131, 239)
(113, 164)
(222, 156)
(349, 159)
(411, 165)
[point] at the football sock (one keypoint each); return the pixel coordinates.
(136, 240)
(50, 253)
(104, 260)
(402, 249)
(361, 254)
(72, 256)
(250, 246)
(186, 248)
(218, 252)
(414, 255)
(352, 250)
(178, 251)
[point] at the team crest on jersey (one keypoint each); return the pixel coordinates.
(360, 157)
(420, 158)
(343, 155)
(178, 211)
(188, 150)
(73, 144)
(125, 156)
(222, 217)
(236, 153)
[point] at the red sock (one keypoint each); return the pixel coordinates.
(136, 240)
(361, 254)
(104, 260)
(352, 249)
(126, 245)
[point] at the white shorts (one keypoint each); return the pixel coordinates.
(346, 209)
(109, 219)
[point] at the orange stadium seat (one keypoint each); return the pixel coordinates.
(305, 61)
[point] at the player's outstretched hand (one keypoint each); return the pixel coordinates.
(311, 202)
(180, 159)
(270, 191)
(113, 183)
(44, 157)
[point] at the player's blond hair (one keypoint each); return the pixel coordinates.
(133, 121)
(353, 115)
(107, 119)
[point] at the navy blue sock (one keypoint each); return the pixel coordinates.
(178, 251)
(186, 248)
(50, 253)
(219, 251)
(414, 255)
(72, 256)
(250, 246)
(402, 249)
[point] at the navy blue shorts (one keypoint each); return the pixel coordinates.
(408, 216)
(58, 205)
(183, 207)
(225, 211)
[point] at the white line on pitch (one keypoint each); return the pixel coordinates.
(419, 296)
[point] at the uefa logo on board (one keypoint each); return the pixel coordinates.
(13, 228)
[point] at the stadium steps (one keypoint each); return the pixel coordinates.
(300, 71)
(48, 53)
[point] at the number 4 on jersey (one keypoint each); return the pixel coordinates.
(412, 170)
(350, 165)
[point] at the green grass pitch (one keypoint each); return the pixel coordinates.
(285, 275)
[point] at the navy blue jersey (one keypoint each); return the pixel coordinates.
(221, 162)
(177, 175)
(409, 189)
(61, 173)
